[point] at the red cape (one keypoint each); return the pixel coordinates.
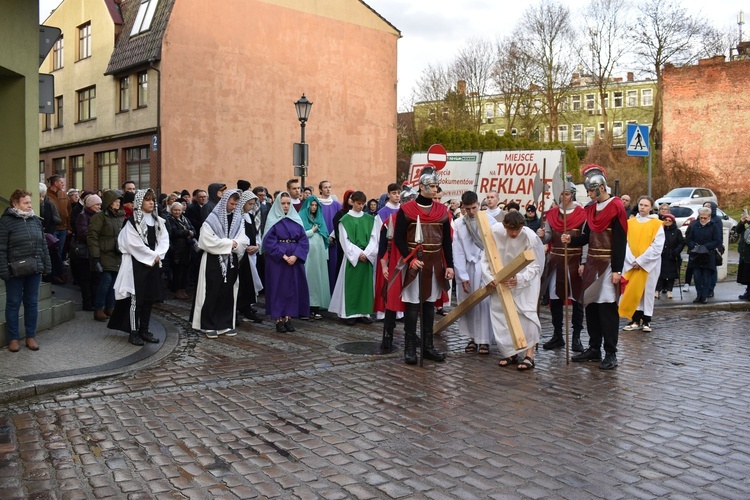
(575, 219)
(599, 222)
(436, 214)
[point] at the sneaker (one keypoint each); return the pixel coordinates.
(589, 354)
(669, 295)
(630, 327)
(212, 334)
(610, 361)
(686, 288)
(646, 328)
(231, 333)
(657, 295)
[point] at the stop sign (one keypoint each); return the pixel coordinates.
(437, 156)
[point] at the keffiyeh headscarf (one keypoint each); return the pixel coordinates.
(244, 198)
(308, 220)
(218, 221)
(139, 216)
(276, 213)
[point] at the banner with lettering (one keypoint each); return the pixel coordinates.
(457, 176)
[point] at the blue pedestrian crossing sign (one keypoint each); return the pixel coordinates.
(637, 140)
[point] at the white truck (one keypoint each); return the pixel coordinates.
(518, 176)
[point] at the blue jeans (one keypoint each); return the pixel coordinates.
(703, 277)
(18, 290)
(105, 292)
(61, 234)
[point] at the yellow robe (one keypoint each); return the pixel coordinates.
(640, 237)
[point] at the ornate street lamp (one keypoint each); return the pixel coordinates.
(303, 107)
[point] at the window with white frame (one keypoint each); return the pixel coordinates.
(632, 98)
(647, 97)
(513, 132)
(617, 130)
(589, 132)
(606, 100)
(500, 132)
(590, 102)
(575, 102)
(108, 170)
(489, 112)
(617, 98)
(577, 132)
(144, 17)
(142, 89)
(562, 133)
(602, 128)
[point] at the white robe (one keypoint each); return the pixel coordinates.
(525, 293)
(212, 245)
(650, 261)
(131, 245)
(351, 254)
(467, 265)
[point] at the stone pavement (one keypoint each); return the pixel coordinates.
(264, 415)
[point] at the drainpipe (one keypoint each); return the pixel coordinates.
(159, 144)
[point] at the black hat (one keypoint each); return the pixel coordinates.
(243, 185)
(531, 208)
(185, 192)
(128, 197)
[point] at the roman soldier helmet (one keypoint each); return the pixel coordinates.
(407, 195)
(429, 176)
(594, 177)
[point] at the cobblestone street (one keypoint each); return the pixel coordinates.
(264, 415)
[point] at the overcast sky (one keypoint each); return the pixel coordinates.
(434, 30)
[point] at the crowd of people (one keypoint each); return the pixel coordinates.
(393, 257)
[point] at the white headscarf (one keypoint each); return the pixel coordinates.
(276, 213)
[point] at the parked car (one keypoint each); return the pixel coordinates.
(688, 196)
(685, 214)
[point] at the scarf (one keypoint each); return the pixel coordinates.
(139, 217)
(224, 226)
(308, 220)
(471, 226)
(21, 213)
(276, 214)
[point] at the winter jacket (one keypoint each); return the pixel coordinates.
(20, 238)
(50, 215)
(213, 199)
(674, 242)
(104, 229)
(60, 199)
(181, 236)
(709, 237)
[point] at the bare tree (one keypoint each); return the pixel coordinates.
(549, 41)
(664, 33)
(606, 29)
(474, 65)
(512, 79)
(442, 100)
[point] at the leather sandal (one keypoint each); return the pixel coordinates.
(526, 364)
(471, 346)
(484, 348)
(508, 361)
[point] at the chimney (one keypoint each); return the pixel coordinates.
(461, 87)
(630, 76)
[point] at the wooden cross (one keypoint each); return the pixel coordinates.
(500, 274)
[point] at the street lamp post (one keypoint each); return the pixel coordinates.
(303, 107)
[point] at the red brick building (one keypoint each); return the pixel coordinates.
(707, 117)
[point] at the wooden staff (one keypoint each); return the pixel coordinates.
(565, 270)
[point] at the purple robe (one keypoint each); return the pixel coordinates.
(286, 286)
(329, 212)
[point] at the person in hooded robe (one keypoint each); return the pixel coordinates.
(143, 242)
(223, 241)
(286, 247)
(316, 264)
(250, 282)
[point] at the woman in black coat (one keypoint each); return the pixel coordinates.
(181, 240)
(703, 238)
(22, 240)
(670, 256)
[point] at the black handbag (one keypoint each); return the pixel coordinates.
(80, 250)
(23, 267)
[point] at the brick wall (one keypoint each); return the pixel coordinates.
(707, 117)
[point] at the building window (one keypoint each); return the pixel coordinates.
(57, 54)
(59, 165)
(632, 97)
(142, 89)
(617, 130)
(606, 100)
(125, 93)
(109, 170)
(617, 98)
(144, 17)
(590, 102)
(513, 132)
(46, 122)
(84, 41)
(76, 163)
(576, 102)
(87, 104)
(500, 132)
(602, 129)
(589, 131)
(42, 175)
(489, 112)
(58, 112)
(138, 166)
(577, 133)
(562, 106)
(562, 133)
(647, 97)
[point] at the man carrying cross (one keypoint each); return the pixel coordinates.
(435, 267)
(512, 239)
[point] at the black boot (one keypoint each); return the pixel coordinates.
(428, 319)
(148, 337)
(555, 342)
(575, 344)
(410, 333)
(135, 338)
(389, 323)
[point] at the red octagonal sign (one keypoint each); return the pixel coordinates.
(437, 156)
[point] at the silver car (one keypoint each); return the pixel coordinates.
(685, 214)
(688, 196)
